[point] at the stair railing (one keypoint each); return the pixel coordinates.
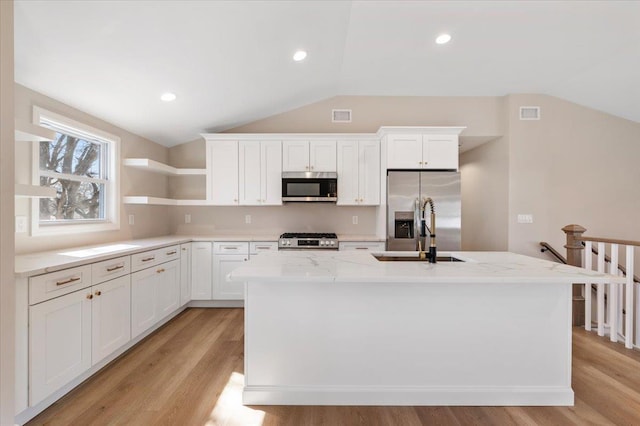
(618, 314)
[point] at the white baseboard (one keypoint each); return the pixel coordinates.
(216, 304)
(405, 395)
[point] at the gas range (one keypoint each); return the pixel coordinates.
(304, 240)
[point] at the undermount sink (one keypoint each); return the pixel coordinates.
(393, 258)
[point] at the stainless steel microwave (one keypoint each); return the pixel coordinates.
(309, 186)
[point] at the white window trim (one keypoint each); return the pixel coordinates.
(112, 187)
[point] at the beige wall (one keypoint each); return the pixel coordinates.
(149, 220)
(7, 284)
(485, 196)
(575, 165)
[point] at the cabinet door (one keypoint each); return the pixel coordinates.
(201, 269)
(440, 152)
(168, 293)
(271, 172)
(185, 273)
(144, 286)
(322, 156)
(295, 156)
(111, 317)
(404, 152)
(249, 173)
(348, 173)
(59, 343)
(369, 173)
(223, 265)
(224, 172)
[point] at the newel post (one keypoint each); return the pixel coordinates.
(574, 257)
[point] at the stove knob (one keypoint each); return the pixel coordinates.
(333, 243)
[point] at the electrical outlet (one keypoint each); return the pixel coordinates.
(132, 219)
(247, 218)
(525, 218)
(187, 218)
(354, 220)
(21, 224)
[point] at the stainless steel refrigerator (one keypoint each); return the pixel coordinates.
(406, 191)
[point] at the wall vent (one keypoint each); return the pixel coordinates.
(341, 116)
(529, 113)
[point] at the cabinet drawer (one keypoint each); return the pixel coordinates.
(54, 284)
(262, 246)
(169, 253)
(230, 248)
(145, 259)
(362, 246)
(110, 269)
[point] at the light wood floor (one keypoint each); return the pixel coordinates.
(189, 373)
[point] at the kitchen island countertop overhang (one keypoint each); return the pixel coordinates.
(492, 330)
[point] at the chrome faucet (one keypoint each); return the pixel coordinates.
(431, 255)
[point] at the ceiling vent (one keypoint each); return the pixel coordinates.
(341, 116)
(529, 113)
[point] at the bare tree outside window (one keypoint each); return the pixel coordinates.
(75, 168)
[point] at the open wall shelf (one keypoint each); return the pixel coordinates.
(163, 201)
(28, 132)
(157, 167)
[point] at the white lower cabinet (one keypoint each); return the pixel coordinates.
(155, 293)
(227, 257)
(111, 317)
(185, 273)
(59, 343)
(201, 283)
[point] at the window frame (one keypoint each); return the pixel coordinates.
(111, 198)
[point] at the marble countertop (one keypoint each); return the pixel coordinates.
(478, 267)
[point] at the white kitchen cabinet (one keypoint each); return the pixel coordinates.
(359, 173)
(168, 294)
(257, 247)
(223, 173)
(226, 257)
(201, 271)
(374, 246)
(309, 156)
(419, 151)
(223, 264)
(185, 273)
(111, 317)
(260, 173)
(59, 343)
(144, 286)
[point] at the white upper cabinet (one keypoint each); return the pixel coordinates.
(422, 151)
(309, 156)
(223, 172)
(260, 173)
(358, 172)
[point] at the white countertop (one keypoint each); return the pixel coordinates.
(480, 267)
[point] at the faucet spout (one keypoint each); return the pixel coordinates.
(432, 230)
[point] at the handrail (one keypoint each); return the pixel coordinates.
(583, 238)
(547, 247)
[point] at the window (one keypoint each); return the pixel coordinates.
(81, 164)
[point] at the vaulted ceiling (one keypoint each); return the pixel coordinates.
(230, 63)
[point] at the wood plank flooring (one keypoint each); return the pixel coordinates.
(190, 373)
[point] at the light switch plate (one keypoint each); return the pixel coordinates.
(354, 220)
(525, 218)
(187, 218)
(247, 218)
(132, 219)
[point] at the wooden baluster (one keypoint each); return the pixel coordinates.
(613, 296)
(587, 287)
(601, 315)
(628, 329)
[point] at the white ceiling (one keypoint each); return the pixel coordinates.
(230, 62)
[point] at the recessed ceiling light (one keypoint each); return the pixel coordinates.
(443, 39)
(299, 55)
(168, 97)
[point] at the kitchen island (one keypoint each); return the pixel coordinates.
(343, 328)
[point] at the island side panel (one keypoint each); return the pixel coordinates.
(407, 343)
